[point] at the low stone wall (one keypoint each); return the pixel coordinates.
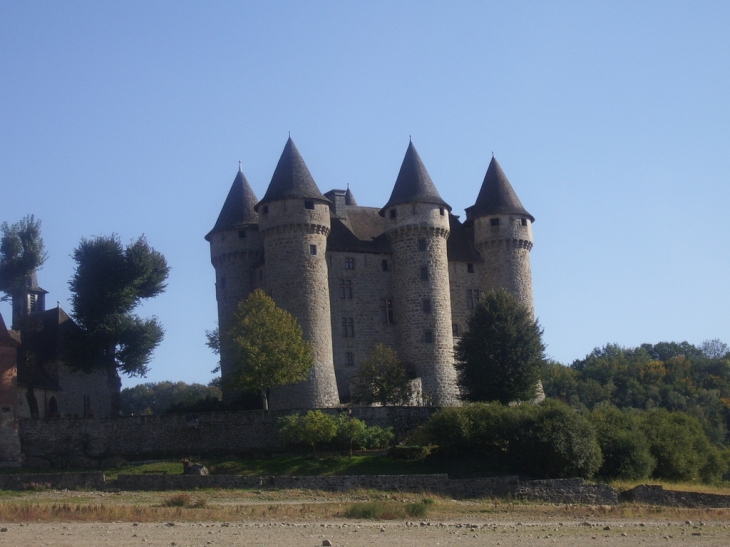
(58, 481)
(567, 491)
(176, 435)
(656, 495)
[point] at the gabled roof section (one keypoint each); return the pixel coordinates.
(414, 184)
(238, 209)
(497, 197)
(291, 179)
(5, 338)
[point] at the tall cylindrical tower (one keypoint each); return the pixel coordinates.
(417, 225)
(503, 236)
(294, 221)
(235, 250)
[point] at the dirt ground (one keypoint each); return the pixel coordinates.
(344, 533)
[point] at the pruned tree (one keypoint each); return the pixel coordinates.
(109, 282)
(382, 378)
(21, 253)
(501, 356)
(265, 346)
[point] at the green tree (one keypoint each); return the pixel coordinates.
(382, 378)
(109, 282)
(266, 347)
(350, 430)
(314, 428)
(501, 356)
(160, 397)
(21, 253)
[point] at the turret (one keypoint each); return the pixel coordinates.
(417, 225)
(235, 251)
(31, 299)
(503, 236)
(294, 221)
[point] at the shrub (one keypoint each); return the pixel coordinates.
(183, 499)
(624, 445)
(377, 437)
(314, 428)
(410, 453)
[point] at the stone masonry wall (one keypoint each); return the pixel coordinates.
(656, 495)
(178, 435)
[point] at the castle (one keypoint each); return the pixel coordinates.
(406, 275)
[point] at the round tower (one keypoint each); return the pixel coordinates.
(235, 250)
(503, 236)
(294, 221)
(417, 226)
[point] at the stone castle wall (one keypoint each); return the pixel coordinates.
(505, 250)
(295, 245)
(178, 435)
(358, 293)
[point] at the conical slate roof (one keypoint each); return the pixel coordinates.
(497, 197)
(413, 185)
(291, 179)
(238, 209)
(349, 197)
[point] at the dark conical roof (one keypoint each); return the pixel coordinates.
(497, 197)
(291, 178)
(238, 208)
(413, 185)
(349, 197)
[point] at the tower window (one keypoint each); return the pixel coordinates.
(309, 205)
(349, 263)
(441, 211)
(242, 234)
(470, 268)
(426, 305)
(312, 249)
(348, 327)
(223, 282)
(455, 330)
(424, 273)
(393, 213)
(494, 221)
(266, 209)
(523, 221)
(384, 265)
(386, 310)
(421, 243)
(349, 359)
(472, 298)
(346, 289)
(428, 336)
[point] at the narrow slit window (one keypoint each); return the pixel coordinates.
(424, 273)
(426, 305)
(428, 336)
(421, 243)
(470, 268)
(312, 249)
(384, 265)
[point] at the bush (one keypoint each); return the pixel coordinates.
(624, 445)
(550, 440)
(409, 453)
(314, 428)
(377, 437)
(681, 448)
(183, 499)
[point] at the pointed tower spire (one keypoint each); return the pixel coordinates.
(291, 178)
(238, 209)
(349, 197)
(414, 184)
(497, 197)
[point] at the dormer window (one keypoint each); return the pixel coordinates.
(309, 205)
(393, 213)
(266, 209)
(523, 221)
(441, 211)
(494, 222)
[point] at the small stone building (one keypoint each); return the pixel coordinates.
(407, 274)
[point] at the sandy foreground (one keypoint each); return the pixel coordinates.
(342, 533)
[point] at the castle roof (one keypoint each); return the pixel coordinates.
(497, 197)
(238, 209)
(291, 179)
(414, 184)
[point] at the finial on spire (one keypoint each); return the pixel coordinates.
(348, 185)
(290, 134)
(410, 138)
(58, 304)
(492, 154)
(240, 167)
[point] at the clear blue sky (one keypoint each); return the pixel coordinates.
(611, 119)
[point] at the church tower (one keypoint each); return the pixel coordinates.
(31, 299)
(417, 226)
(294, 221)
(503, 236)
(235, 250)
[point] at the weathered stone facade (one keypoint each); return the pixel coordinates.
(407, 275)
